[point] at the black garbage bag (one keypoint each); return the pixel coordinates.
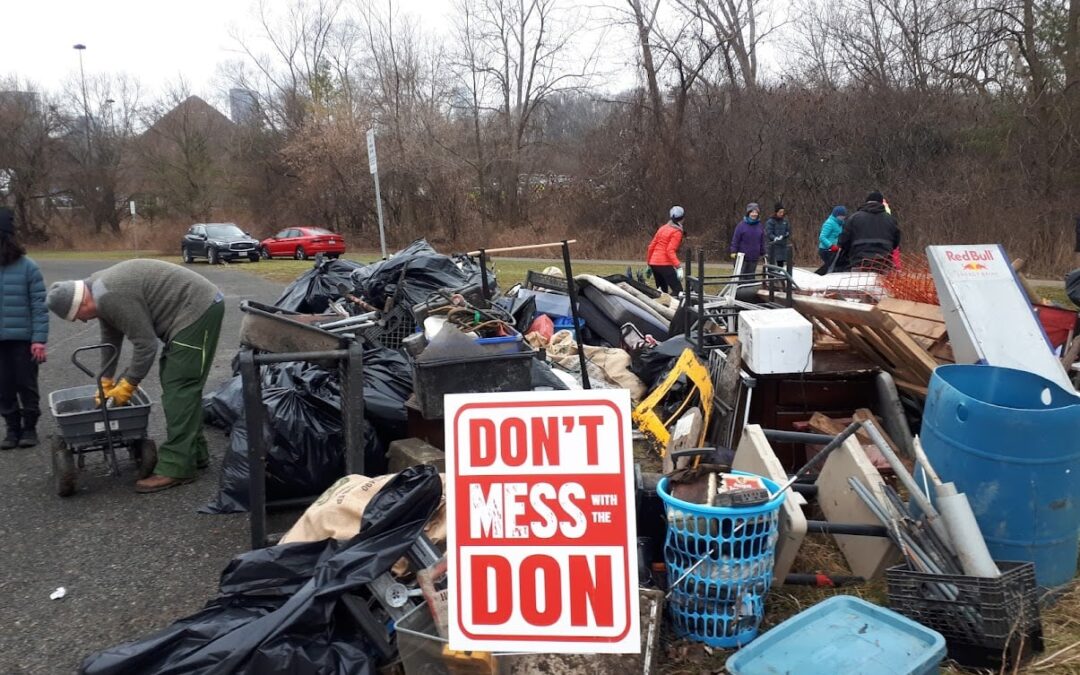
(304, 426)
(279, 609)
(425, 271)
(652, 365)
(1072, 286)
(304, 437)
(314, 290)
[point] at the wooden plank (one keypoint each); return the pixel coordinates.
(920, 310)
(826, 425)
(934, 330)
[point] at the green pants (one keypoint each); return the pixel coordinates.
(185, 363)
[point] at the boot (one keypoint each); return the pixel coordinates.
(28, 438)
(14, 430)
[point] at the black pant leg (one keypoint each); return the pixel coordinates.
(27, 385)
(9, 403)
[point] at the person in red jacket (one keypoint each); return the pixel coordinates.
(663, 255)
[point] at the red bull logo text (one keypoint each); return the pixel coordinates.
(971, 257)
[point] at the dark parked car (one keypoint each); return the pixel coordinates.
(218, 242)
(303, 242)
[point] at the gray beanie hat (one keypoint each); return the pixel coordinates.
(752, 206)
(65, 297)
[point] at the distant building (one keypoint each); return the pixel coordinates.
(243, 106)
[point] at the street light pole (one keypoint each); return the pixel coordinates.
(86, 107)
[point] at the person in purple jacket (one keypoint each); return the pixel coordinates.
(749, 239)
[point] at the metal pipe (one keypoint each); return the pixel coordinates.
(797, 437)
(359, 318)
(255, 417)
(822, 454)
(932, 516)
(331, 355)
(701, 302)
(854, 529)
(571, 289)
(483, 275)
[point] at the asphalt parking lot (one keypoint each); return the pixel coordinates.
(131, 564)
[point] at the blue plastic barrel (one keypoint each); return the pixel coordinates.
(1011, 440)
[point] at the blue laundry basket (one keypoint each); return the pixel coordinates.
(721, 601)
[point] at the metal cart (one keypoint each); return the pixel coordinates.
(87, 427)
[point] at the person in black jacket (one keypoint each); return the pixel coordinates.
(870, 235)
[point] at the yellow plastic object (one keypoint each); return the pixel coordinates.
(659, 430)
(468, 663)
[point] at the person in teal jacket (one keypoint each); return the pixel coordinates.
(24, 330)
(830, 234)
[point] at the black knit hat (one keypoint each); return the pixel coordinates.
(778, 207)
(875, 196)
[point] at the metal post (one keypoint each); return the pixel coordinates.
(352, 409)
(255, 415)
(373, 168)
(686, 300)
(382, 228)
(701, 301)
(572, 290)
(483, 275)
(789, 283)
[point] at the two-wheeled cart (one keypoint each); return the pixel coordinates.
(87, 427)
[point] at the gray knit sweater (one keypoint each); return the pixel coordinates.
(147, 301)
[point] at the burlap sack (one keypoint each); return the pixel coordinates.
(337, 513)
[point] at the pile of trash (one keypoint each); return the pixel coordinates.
(892, 431)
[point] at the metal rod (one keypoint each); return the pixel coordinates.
(796, 437)
(285, 357)
(522, 248)
(822, 454)
(854, 529)
(932, 516)
(359, 318)
(686, 300)
(701, 302)
(571, 289)
(352, 409)
(690, 570)
(483, 275)
(255, 418)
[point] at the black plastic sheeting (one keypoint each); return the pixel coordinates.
(426, 271)
(313, 291)
(304, 427)
(278, 609)
(1072, 286)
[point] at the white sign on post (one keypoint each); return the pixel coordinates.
(542, 535)
(372, 161)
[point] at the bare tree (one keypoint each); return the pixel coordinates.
(28, 150)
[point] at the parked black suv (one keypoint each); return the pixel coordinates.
(218, 242)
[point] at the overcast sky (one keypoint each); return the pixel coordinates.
(158, 41)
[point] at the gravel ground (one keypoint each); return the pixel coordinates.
(131, 563)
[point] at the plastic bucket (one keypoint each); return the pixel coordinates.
(721, 601)
(1011, 440)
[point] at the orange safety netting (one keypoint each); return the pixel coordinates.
(908, 280)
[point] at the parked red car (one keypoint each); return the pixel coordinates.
(302, 242)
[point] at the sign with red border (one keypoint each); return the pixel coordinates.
(542, 537)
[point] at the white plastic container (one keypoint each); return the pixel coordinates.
(776, 341)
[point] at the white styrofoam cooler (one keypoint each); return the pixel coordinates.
(776, 341)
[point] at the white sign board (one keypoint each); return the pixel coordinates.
(987, 313)
(372, 161)
(541, 528)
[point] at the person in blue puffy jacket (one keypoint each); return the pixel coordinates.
(24, 330)
(830, 234)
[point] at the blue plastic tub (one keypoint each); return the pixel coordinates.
(1011, 440)
(721, 601)
(843, 635)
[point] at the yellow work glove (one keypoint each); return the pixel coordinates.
(106, 384)
(121, 393)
